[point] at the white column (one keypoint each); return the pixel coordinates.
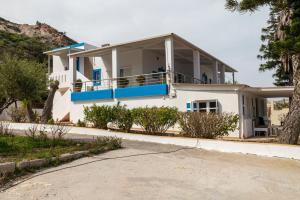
(222, 74)
(115, 67)
(72, 70)
(197, 67)
(169, 50)
(215, 73)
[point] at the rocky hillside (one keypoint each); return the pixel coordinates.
(42, 31)
(29, 41)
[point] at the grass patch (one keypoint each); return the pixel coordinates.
(17, 148)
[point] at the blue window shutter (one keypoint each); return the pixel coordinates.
(188, 106)
(77, 63)
(97, 77)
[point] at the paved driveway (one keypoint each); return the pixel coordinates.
(184, 174)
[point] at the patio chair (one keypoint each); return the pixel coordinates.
(261, 125)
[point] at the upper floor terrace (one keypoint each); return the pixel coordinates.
(161, 60)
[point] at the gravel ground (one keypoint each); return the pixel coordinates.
(183, 174)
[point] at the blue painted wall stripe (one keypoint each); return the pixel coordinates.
(92, 95)
(142, 91)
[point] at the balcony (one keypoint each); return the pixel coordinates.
(143, 85)
(62, 77)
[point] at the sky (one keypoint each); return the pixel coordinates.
(232, 37)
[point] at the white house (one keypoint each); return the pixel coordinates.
(166, 70)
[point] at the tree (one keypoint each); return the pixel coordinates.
(47, 111)
(21, 80)
(280, 51)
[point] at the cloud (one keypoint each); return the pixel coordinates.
(232, 37)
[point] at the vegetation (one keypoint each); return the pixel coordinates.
(23, 47)
(37, 144)
(141, 80)
(207, 125)
(21, 80)
(80, 123)
(123, 117)
(155, 120)
(17, 114)
(280, 51)
(123, 82)
(99, 116)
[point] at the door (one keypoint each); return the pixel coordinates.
(97, 77)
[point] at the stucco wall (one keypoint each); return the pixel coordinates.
(59, 63)
(228, 101)
(152, 61)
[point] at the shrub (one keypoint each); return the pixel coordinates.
(207, 125)
(51, 121)
(99, 115)
(17, 114)
(155, 120)
(5, 128)
(32, 131)
(59, 130)
(123, 117)
(113, 142)
(80, 123)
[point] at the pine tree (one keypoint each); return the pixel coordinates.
(280, 51)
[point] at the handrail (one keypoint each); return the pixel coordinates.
(136, 80)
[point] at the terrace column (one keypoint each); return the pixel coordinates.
(169, 50)
(197, 67)
(215, 73)
(222, 74)
(115, 67)
(72, 71)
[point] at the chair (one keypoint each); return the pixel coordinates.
(261, 125)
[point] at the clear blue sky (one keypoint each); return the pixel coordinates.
(232, 37)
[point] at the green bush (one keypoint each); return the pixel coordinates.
(207, 125)
(99, 116)
(80, 123)
(17, 114)
(51, 121)
(155, 120)
(123, 117)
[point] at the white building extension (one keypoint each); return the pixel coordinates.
(159, 71)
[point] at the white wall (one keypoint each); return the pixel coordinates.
(208, 70)
(152, 61)
(59, 63)
(228, 101)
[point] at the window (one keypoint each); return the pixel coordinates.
(125, 71)
(205, 106)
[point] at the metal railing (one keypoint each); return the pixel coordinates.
(92, 85)
(183, 78)
(135, 80)
(142, 79)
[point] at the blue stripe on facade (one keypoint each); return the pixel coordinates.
(92, 95)
(142, 91)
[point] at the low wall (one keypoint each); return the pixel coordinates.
(260, 149)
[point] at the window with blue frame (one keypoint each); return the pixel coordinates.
(96, 77)
(77, 63)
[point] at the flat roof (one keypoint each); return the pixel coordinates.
(266, 92)
(104, 49)
(73, 46)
